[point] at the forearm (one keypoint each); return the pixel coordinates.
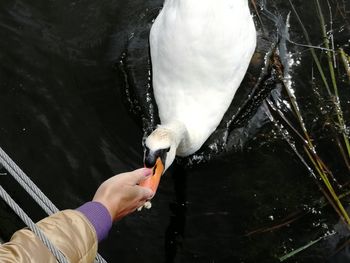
(69, 231)
(76, 233)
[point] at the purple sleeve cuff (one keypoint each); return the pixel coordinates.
(99, 217)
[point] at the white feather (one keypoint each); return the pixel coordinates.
(200, 51)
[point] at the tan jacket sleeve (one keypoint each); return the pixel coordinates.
(69, 230)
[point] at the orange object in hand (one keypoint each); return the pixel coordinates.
(153, 181)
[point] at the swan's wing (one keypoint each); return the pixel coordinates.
(246, 116)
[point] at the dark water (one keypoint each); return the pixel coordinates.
(65, 120)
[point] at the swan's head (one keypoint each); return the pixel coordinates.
(160, 144)
(160, 152)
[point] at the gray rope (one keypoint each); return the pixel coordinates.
(30, 187)
(25, 218)
(27, 183)
(100, 259)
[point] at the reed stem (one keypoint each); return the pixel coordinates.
(335, 97)
(346, 61)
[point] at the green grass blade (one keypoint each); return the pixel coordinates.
(312, 50)
(336, 99)
(296, 251)
(346, 61)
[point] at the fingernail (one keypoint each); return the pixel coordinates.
(150, 194)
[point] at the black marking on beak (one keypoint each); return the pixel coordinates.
(150, 157)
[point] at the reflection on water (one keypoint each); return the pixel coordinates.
(64, 120)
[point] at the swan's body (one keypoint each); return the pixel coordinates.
(200, 51)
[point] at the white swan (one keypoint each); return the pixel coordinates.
(200, 51)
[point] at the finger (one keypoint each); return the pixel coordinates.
(138, 175)
(144, 193)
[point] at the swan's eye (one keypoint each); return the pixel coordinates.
(151, 157)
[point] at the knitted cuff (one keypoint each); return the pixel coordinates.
(99, 217)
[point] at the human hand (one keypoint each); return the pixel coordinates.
(122, 195)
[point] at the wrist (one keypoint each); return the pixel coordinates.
(99, 216)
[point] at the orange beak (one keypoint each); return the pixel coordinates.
(153, 181)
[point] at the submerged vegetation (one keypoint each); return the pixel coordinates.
(330, 67)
